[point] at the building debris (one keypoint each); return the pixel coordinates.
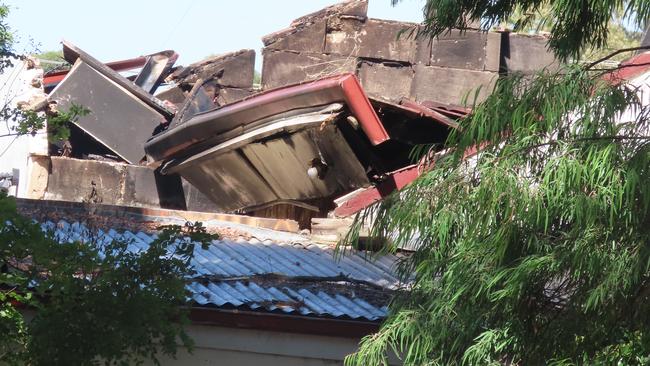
(343, 101)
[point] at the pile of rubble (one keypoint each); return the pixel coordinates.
(342, 102)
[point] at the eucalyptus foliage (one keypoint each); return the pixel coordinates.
(86, 300)
(536, 249)
(575, 26)
(531, 227)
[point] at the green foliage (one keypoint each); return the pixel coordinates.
(52, 61)
(257, 78)
(80, 301)
(58, 124)
(88, 300)
(541, 20)
(576, 26)
(534, 251)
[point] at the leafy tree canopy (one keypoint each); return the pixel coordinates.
(86, 300)
(575, 26)
(535, 250)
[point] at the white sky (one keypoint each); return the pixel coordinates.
(121, 29)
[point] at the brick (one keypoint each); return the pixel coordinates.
(449, 86)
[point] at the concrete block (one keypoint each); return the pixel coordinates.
(423, 51)
(306, 38)
(233, 69)
(284, 68)
(140, 187)
(389, 82)
(173, 94)
(446, 85)
(230, 95)
(197, 201)
(377, 39)
(92, 181)
(85, 181)
(38, 167)
(528, 54)
(459, 50)
(493, 51)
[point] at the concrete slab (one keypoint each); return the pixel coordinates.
(285, 68)
(389, 82)
(449, 86)
(528, 54)
(374, 38)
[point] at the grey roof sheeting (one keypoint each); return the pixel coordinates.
(295, 278)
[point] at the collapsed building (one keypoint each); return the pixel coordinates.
(343, 100)
(328, 131)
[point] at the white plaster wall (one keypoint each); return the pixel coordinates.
(16, 86)
(242, 347)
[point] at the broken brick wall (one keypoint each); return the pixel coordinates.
(390, 63)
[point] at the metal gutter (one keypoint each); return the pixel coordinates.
(282, 323)
(285, 100)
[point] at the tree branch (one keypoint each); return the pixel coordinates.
(629, 49)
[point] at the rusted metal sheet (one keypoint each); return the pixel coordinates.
(286, 101)
(117, 119)
(414, 109)
(71, 53)
(357, 201)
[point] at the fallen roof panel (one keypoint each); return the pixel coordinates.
(270, 163)
(71, 53)
(285, 100)
(117, 119)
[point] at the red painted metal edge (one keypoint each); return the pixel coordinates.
(360, 106)
(54, 78)
(395, 181)
(282, 323)
(428, 112)
(630, 68)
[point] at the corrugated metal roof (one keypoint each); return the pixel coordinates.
(301, 278)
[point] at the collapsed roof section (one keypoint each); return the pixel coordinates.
(343, 101)
(262, 148)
